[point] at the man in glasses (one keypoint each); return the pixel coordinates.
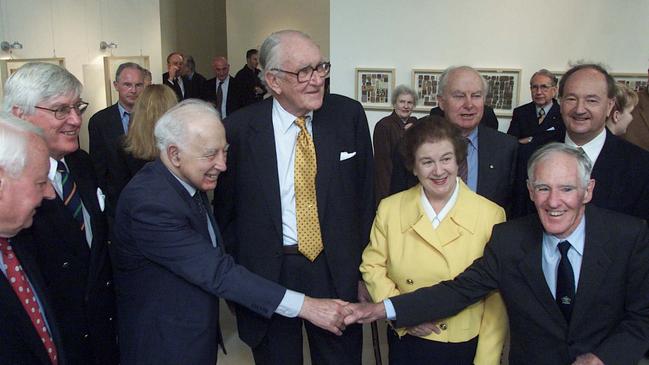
(541, 117)
(296, 203)
(69, 232)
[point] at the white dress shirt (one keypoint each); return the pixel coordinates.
(550, 255)
(592, 148)
(224, 90)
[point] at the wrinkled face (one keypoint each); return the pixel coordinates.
(404, 105)
(542, 90)
(436, 168)
(463, 100)
(558, 195)
(253, 61)
(221, 69)
(200, 161)
(585, 105)
(298, 98)
(129, 87)
(22, 195)
(62, 136)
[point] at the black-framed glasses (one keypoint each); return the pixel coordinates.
(305, 74)
(64, 111)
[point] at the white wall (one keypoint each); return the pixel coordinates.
(73, 29)
(521, 34)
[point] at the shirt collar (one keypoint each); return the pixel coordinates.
(54, 164)
(190, 189)
(473, 137)
(428, 209)
(122, 110)
(545, 107)
(592, 148)
(576, 238)
(285, 119)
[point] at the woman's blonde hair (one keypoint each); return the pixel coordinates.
(154, 101)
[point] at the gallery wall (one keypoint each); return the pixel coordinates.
(73, 29)
(519, 34)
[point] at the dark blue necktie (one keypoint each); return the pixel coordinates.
(565, 282)
(71, 197)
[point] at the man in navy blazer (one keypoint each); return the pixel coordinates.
(170, 266)
(574, 277)
(24, 164)
(257, 205)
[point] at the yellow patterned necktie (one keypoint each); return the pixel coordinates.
(306, 205)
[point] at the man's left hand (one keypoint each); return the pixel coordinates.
(588, 359)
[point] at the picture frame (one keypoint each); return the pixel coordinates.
(504, 89)
(111, 63)
(425, 82)
(9, 66)
(636, 81)
(374, 87)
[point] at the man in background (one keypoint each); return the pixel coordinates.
(221, 90)
(174, 77)
(251, 89)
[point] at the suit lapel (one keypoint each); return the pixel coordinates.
(327, 156)
(605, 163)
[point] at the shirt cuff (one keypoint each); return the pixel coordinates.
(291, 304)
(390, 313)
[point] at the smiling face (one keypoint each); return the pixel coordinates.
(404, 105)
(585, 105)
(463, 99)
(298, 98)
(436, 168)
(557, 192)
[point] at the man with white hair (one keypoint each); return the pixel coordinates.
(29, 333)
(170, 263)
(70, 231)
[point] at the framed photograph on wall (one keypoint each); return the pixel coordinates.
(425, 83)
(374, 87)
(111, 63)
(8, 67)
(636, 81)
(504, 87)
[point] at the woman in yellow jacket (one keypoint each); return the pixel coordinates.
(431, 233)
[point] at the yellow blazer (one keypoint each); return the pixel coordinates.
(405, 253)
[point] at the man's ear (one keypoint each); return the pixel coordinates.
(588, 195)
(440, 102)
(17, 111)
(173, 155)
(616, 116)
(273, 82)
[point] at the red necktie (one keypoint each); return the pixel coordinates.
(25, 294)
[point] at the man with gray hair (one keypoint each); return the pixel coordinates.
(574, 277)
(170, 263)
(106, 131)
(70, 231)
(297, 202)
(24, 304)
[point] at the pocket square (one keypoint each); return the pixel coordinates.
(549, 129)
(101, 199)
(346, 155)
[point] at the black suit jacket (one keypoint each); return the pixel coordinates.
(175, 87)
(247, 199)
(610, 316)
(247, 80)
(194, 87)
(233, 99)
(78, 277)
(525, 122)
(19, 341)
(489, 118)
(169, 275)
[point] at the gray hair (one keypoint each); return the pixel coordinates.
(14, 143)
(126, 65)
(403, 89)
(38, 82)
(443, 79)
(584, 165)
(171, 128)
(270, 56)
(543, 72)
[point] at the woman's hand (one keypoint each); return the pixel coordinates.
(423, 329)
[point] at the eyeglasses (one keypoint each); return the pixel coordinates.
(63, 111)
(542, 87)
(305, 74)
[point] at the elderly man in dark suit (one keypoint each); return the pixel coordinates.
(24, 164)
(69, 232)
(170, 266)
(107, 129)
(297, 201)
(540, 118)
(574, 277)
(222, 90)
(174, 77)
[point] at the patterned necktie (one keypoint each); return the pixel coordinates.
(71, 197)
(463, 168)
(565, 282)
(25, 295)
(219, 97)
(541, 115)
(127, 115)
(306, 205)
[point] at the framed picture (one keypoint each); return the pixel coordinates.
(374, 87)
(636, 81)
(425, 83)
(111, 63)
(8, 67)
(504, 87)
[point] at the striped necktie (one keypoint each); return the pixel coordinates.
(71, 197)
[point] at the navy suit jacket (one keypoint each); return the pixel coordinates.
(525, 123)
(233, 100)
(610, 317)
(247, 200)
(19, 341)
(169, 276)
(78, 278)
